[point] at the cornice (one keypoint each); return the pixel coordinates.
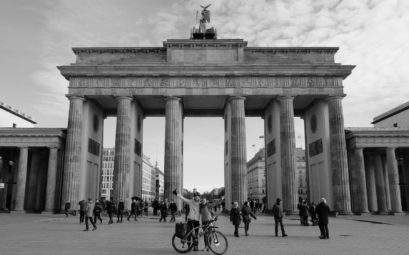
(292, 50)
(334, 70)
(117, 50)
(187, 44)
(33, 132)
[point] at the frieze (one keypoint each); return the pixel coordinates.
(328, 50)
(147, 50)
(211, 82)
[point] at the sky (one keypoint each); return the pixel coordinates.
(36, 36)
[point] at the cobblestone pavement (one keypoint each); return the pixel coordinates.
(55, 234)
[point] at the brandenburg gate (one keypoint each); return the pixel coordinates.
(208, 77)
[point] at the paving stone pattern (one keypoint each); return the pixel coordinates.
(55, 234)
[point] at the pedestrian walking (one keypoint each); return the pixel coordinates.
(278, 217)
(83, 205)
(235, 218)
(120, 211)
(193, 216)
(97, 211)
(89, 211)
(299, 209)
(246, 214)
(155, 206)
(67, 208)
(110, 209)
(173, 208)
(322, 210)
(133, 209)
(163, 211)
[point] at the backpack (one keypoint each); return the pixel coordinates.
(181, 229)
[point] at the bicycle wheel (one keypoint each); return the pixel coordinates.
(182, 245)
(217, 242)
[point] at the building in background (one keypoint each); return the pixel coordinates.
(108, 158)
(256, 172)
(301, 173)
(160, 184)
(256, 176)
(150, 174)
(11, 117)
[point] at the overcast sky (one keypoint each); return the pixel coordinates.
(36, 36)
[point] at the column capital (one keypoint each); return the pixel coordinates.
(120, 97)
(231, 98)
(337, 97)
(72, 97)
(285, 97)
(167, 98)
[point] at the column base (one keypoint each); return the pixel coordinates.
(382, 213)
(344, 213)
(48, 212)
(18, 212)
(363, 213)
(397, 213)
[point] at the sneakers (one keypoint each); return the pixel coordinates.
(95, 228)
(284, 235)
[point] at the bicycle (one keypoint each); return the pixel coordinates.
(217, 242)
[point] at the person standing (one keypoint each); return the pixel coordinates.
(120, 211)
(245, 214)
(278, 217)
(155, 206)
(313, 216)
(163, 211)
(97, 211)
(206, 216)
(67, 208)
(322, 210)
(235, 218)
(83, 205)
(304, 213)
(173, 209)
(133, 209)
(89, 211)
(193, 216)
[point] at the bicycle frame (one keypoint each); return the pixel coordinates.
(193, 233)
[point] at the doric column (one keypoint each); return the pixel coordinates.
(339, 162)
(51, 180)
(123, 143)
(380, 184)
(21, 179)
(370, 183)
(72, 159)
(238, 150)
(393, 175)
(173, 147)
(359, 181)
(288, 164)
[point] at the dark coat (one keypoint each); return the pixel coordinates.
(173, 207)
(278, 211)
(235, 216)
(304, 210)
(97, 208)
(163, 210)
(246, 213)
(121, 206)
(322, 211)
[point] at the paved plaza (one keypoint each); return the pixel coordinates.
(55, 234)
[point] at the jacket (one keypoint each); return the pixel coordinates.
(278, 211)
(322, 210)
(89, 209)
(205, 213)
(246, 213)
(235, 216)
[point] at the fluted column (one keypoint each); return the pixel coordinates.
(359, 181)
(173, 147)
(380, 184)
(238, 150)
(123, 143)
(21, 179)
(51, 180)
(288, 164)
(393, 174)
(72, 159)
(339, 162)
(370, 183)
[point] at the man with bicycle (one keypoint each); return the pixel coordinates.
(194, 214)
